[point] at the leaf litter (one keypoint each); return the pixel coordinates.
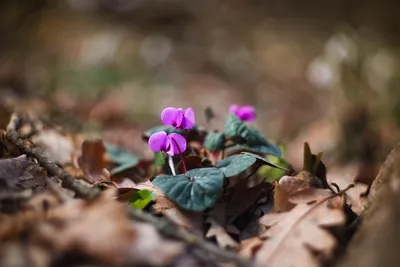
(223, 212)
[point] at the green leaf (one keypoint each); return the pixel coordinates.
(264, 161)
(159, 158)
(142, 198)
(243, 134)
(307, 158)
(196, 190)
(165, 128)
(316, 163)
(214, 141)
(266, 149)
(270, 173)
(121, 157)
(232, 126)
(235, 164)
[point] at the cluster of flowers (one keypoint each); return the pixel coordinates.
(181, 119)
(173, 143)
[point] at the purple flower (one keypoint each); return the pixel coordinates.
(171, 144)
(244, 113)
(178, 118)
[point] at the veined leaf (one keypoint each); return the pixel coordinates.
(243, 134)
(235, 164)
(214, 141)
(196, 190)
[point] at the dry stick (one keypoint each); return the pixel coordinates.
(164, 226)
(171, 230)
(68, 181)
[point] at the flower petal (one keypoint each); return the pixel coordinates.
(246, 113)
(177, 144)
(233, 109)
(158, 141)
(172, 116)
(188, 119)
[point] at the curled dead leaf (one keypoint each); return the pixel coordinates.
(289, 185)
(223, 238)
(93, 160)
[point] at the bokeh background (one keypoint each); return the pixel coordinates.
(321, 71)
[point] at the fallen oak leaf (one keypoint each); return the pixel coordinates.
(295, 232)
(224, 240)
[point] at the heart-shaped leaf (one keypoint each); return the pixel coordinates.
(235, 164)
(214, 141)
(232, 128)
(121, 157)
(269, 149)
(243, 134)
(264, 160)
(196, 190)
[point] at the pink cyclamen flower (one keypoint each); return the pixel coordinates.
(171, 144)
(178, 118)
(244, 113)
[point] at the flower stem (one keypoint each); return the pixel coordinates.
(182, 158)
(171, 165)
(223, 153)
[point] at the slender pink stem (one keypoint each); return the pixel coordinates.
(180, 153)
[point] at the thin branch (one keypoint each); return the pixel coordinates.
(68, 181)
(164, 226)
(171, 230)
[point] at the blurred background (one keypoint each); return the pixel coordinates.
(321, 71)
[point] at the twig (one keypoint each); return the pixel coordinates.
(169, 229)
(68, 181)
(164, 226)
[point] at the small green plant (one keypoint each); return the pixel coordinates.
(198, 189)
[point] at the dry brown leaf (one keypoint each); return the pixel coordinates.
(242, 198)
(55, 145)
(345, 175)
(102, 229)
(224, 240)
(377, 240)
(94, 159)
(249, 247)
(191, 162)
(299, 233)
(281, 199)
(10, 171)
(250, 240)
(189, 219)
(11, 226)
(289, 185)
(5, 116)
